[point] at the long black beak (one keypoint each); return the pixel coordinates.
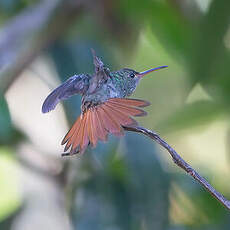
(142, 74)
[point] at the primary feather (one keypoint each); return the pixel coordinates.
(77, 84)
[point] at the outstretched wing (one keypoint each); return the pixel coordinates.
(99, 121)
(76, 84)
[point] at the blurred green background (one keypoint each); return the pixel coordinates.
(127, 183)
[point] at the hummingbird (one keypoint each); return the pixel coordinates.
(105, 108)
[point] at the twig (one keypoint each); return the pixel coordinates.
(178, 161)
(181, 163)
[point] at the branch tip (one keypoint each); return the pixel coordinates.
(179, 161)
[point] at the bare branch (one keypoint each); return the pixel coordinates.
(181, 163)
(178, 161)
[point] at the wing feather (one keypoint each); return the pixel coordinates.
(76, 84)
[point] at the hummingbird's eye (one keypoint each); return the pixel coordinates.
(132, 75)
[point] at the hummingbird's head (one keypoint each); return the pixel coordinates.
(131, 77)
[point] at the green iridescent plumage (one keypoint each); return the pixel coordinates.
(119, 84)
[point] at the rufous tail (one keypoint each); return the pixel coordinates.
(98, 121)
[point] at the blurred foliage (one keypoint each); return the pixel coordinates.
(197, 113)
(7, 131)
(9, 8)
(9, 199)
(5, 122)
(118, 194)
(128, 185)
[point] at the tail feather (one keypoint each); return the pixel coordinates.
(111, 125)
(130, 102)
(92, 129)
(97, 122)
(67, 146)
(124, 119)
(131, 111)
(72, 130)
(77, 137)
(99, 125)
(85, 135)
